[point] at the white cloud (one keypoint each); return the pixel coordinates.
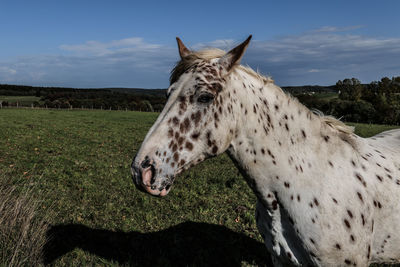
(337, 29)
(315, 57)
(7, 71)
(133, 44)
(314, 70)
(293, 59)
(224, 44)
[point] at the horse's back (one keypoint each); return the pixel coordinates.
(388, 139)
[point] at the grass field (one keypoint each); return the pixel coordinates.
(76, 166)
(22, 100)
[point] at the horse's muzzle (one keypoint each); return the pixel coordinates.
(144, 177)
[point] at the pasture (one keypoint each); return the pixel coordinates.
(76, 167)
(22, 100)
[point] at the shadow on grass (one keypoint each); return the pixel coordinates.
(188, 243)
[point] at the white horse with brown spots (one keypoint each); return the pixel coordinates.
(326, 197)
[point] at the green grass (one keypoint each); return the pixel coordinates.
(368, 130)
(77, 163)
(326, 96)
(22, 100)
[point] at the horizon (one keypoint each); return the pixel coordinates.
(132, 45)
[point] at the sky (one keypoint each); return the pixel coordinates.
(94, 44)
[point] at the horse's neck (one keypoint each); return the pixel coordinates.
(272, 130)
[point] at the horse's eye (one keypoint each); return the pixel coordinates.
(205, 98)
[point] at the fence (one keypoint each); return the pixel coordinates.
(17, 106)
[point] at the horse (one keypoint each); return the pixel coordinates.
(325, 196)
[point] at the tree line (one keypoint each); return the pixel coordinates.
(376, 102)
(109, 98)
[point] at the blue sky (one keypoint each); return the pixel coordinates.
(132, 43)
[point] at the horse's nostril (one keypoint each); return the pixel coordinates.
(145, 163)
(148, 171)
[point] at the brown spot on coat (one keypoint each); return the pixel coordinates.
(170, 133)
(175, 121)
(185, 125)
(346, 222)
(195, 135)
(350, 213)
(176, 156)
(174, 147)
(360, 197)
(196, 117)
(189, 146)
(361, 179)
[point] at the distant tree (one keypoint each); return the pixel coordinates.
(349, 89)
(158, 107)
(364, 111)
(384, 86)
(370, 92)
(148, 105)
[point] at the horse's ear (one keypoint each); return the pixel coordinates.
(234, 56)
(183, 51)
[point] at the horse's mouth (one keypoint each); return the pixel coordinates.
(156, 191)
(145, 179)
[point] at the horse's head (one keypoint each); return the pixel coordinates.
(198, 120)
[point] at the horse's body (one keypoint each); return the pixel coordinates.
(326, 197)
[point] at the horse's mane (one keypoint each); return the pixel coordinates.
(334, 123)
(206, 55)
